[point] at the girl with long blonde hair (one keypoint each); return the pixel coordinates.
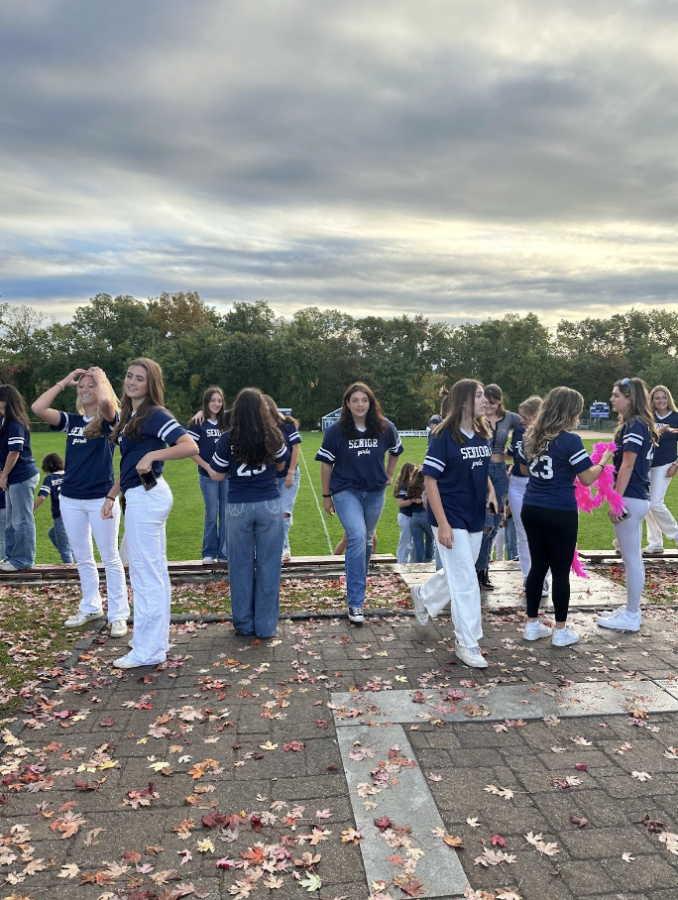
(660, 520)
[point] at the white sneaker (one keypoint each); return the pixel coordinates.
(7, 566)
(118, 628)
(621, 620)
(420, 611)
(471, 656)
(82, 619)
(535, 630)
(563, 637)
(355, 615)
(208, 560)
(126, 662)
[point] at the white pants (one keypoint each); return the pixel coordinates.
(145, 517)
(81, 519)
(516, 496)
(405, 543)
(629, 533)
(659, 519)
(457, 581)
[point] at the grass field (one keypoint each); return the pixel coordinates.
(313, 533)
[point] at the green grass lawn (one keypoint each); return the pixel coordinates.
(308, 536)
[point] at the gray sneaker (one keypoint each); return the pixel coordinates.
(82, 619)
(420, 611)
(471, 656)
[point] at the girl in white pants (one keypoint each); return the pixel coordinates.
(143, 434)
(457, 485)
(527, 411)
(660, 521)
(87, 480)
(635, 439)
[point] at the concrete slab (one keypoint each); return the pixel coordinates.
(408, 801)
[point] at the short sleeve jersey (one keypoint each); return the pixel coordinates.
(291, 434)
(635, 438)
(358, 462)
(461, 473)
(17, 438)
(405, 510)
(515, 450)
(552, 473)
(89, 461)
(51, 487)
(246, 483)
(159, 429)
(665, 453)
(206, 437)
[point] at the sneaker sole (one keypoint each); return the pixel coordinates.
(618, 627)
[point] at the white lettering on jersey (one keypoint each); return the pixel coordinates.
(360, 443)
(475, 452)
(542, 467)
(245, 472)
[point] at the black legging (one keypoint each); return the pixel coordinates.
(552, 538)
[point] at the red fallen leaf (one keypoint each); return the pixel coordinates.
(579, 822)
(653, 825)
(107, 723)
(383, 823)
(321, 723)
(498, 841)
(89, 785)
(254, 856)
(581, 766)
(296, 746)
(413, 888)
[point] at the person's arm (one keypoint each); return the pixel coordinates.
(491, 496)
(105, 400)
(390, 468)
(197, 419)
(325, 475)
(623, 477)
(588, 476)
(109, 502)
(294, 457)
(184, 447)
(10, 462)
(43, 405)
(404, 502)
(445, 534)
(39, 500)
(672, 470)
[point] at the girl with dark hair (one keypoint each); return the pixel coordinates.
(53, 467)
(288, 479)
(457, 487)
(549, 514)
(250, 453)
(18, 478)
(354, 481)
(88, 478)
(206, 434)
(528, 411)
(635, 439)
(405, 510)
(420, 527)
(143, 434)
(660, 520)
(500, 422)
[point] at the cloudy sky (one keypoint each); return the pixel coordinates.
(457, 158)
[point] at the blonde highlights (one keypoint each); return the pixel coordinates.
(559, 412)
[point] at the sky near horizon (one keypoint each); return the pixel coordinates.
(455, 159)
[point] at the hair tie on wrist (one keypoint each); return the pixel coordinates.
(326, 496)
(108, 497)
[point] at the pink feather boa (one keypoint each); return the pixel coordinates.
(587, 501)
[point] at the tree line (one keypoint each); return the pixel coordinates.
(306, 362)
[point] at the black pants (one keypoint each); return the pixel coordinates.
(552, 538)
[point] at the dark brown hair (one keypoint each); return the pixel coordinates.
(462, 395)
(15, 408)
(375, 423)
(222, 417)
(254, 435)
(154, 399)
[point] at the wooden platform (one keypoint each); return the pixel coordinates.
(191, 568)
(611, 556)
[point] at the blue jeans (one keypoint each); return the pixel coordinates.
(422, 535)
(57, 535)
(288, 497)
(20, 531)
(3, 526)
(215, 497)
(255, 543)
(499, 479)
(358, 512)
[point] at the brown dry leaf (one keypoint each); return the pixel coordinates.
(493, 857)
(536, 841)
(504, 793)
(456, 842)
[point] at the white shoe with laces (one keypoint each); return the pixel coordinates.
(82, 619)
(621, 620)
(420, 611)
(355, 615)
(471, 656)
(563, 637)
(118, 628)
(535, 630)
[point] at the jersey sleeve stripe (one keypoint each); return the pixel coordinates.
(325, 455)
(223, 463)
(167, 428)
(434, 463)
(578, 457)
(194, 435)
(295, 436)
(397, 448)
(633, 439)
(282, 452)
(16, 440)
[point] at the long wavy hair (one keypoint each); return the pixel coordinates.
(669, 396)
(531, 406)
(559, 412)
(460, 399)
(639, 406)
(415, 488)
(254, 435)
(15, 408)
(154, 399)
(375, 423)
(94, 429)
(403, 477)
(222, 416)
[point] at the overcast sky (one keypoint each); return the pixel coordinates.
(456, 158)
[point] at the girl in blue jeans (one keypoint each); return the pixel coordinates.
(250, 452)
(18, 478)
(206, 434)
(354, 481)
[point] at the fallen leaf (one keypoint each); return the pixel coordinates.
(627, 857)
(641, 776)
(579, 822)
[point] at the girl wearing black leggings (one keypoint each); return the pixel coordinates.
(554, 458)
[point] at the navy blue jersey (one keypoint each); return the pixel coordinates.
(206, 437)
(3, 499)
(405, 510)
(89, 461)
(515, 450)
(291, 434)
(665, 453)
(246, 484)
(358, 463)
(17, 438)
(552, 473)
(51, 487)
(461, 473)
(635, 438)
(159, 429)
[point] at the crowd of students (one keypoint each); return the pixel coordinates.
(247, 461)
